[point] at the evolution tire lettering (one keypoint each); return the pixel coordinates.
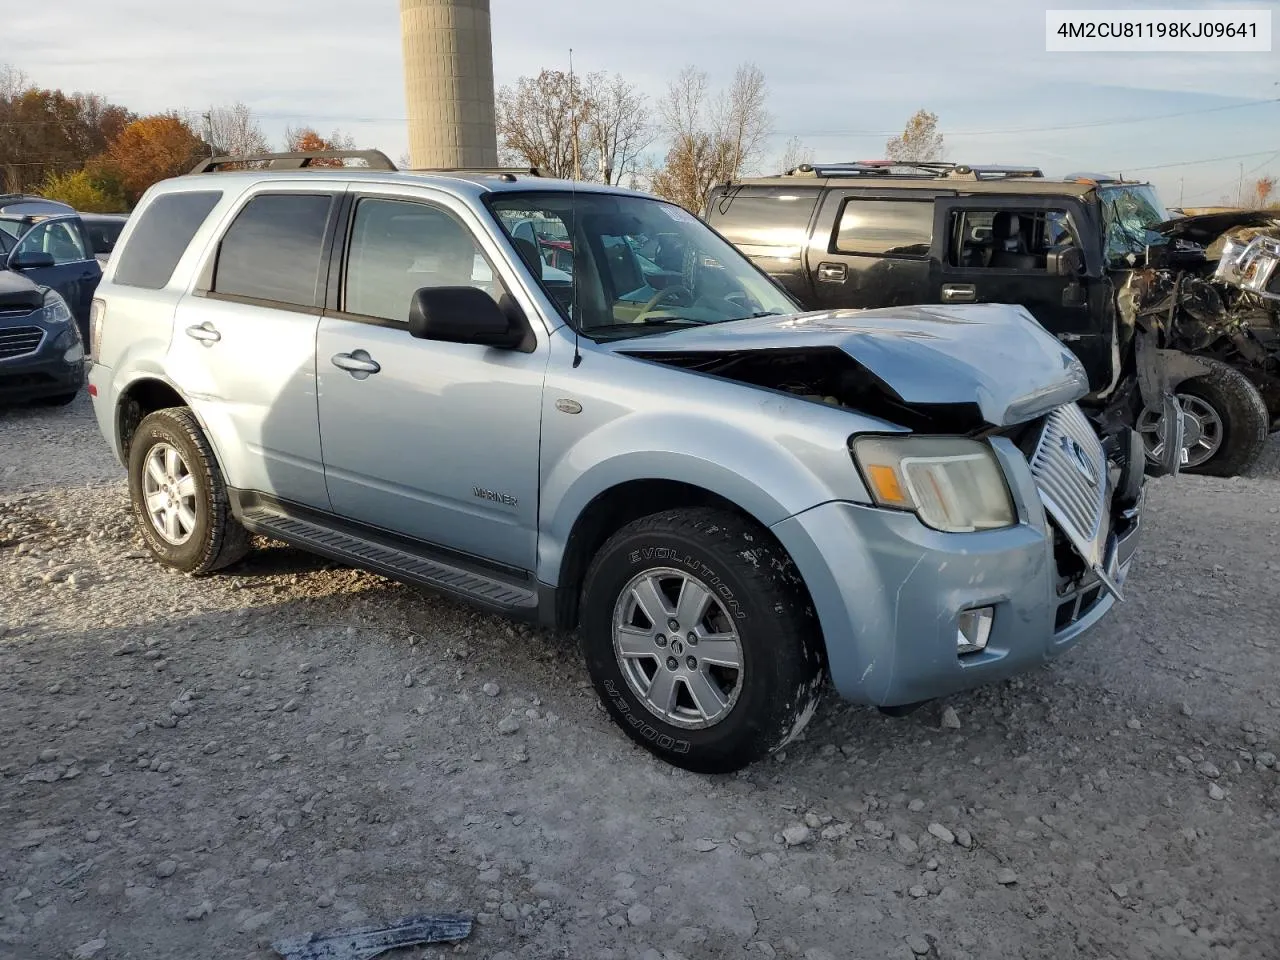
(639, 725)
(706, 574)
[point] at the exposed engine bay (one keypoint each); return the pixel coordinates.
(1214, 291)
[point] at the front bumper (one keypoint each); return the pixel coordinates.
(889, 592)
(45, 373)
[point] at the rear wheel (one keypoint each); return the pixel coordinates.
(700, 639)
(1225, 422)
(179, 497)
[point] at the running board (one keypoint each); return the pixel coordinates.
(400, 564)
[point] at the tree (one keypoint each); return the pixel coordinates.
(920, 141)
(794, 154)
(234, 132)
(616, 125)
(743, 121)
(709, 141)
(306, 140)
(1263, 188)
(150, 150)
(541, 123)
(83, 192)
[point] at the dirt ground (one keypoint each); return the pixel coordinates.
(192, 768)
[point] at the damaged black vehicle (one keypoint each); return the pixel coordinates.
(1176, 342)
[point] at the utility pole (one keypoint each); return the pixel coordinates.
(573, 123)
(1240, 189)
(1181, 187)
(208, 124)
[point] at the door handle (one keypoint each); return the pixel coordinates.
(205, 333)
(87, 276)
(833, 272)
(358, 363)
(959, 293)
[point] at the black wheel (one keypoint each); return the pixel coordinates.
(700, 639)
(179, 497)
(1225, 421)
(58, 400)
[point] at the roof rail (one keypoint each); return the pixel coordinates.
(912, 170)
(375, 159)
(508, 174)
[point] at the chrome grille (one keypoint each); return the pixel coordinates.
(19, 341)
(1070, 469)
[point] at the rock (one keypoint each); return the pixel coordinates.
(918, 892)
(1006, 877)
(408, 679)
(200, 911)
(906, 843)
(179, 709)
(166, 869)
(1185, 709)
(509, 912)
(638, 914)
(1216, 792)
(942, 833)
(508, 726)
(324, 901)
(703, 845)
(48, 756)
(1120, 890)
(964, 837)
(918, 944)
(1133, 723)
(125, 650)
(257, 921)
(491, 689)
(796, 834)
(212, 747)
(89, 949)
(1207, 769)
(92, 836)
(950, 719)
(290, 706)
(915, 806)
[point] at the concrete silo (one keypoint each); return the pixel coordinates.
(448, 72)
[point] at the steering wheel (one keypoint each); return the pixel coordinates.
(680, 293)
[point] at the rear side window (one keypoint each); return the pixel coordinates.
(161, 236)
(902, 228)
(764, 217)
(272, 250)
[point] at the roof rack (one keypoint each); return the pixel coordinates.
(508, 174)
(912, 170)
(375, 160)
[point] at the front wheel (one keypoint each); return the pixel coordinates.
(179, 497)
(1225, 423)
(700, 639)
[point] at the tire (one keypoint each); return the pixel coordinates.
(1229, 396)
(758, 600)
(58, 400)
(209, 538)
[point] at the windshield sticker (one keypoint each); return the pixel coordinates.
(678, 214)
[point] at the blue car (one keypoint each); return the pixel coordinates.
(48, 243)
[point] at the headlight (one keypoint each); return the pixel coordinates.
(951, 483)
(55, 309)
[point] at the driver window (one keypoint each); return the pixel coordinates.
(398, 247)
(1007, 239)
(59, 238)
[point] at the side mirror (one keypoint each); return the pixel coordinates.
(1066, 261)
(31, 261)
(462, 315)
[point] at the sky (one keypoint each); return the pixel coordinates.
(842, 77)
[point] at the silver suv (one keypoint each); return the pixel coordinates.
(730, 501)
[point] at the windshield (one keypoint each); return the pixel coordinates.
(622, 266)
(1128, 213)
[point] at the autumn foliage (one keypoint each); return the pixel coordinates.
(151, 149)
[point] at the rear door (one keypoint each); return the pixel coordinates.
(75, 272)
(874, 247)
(998, 250)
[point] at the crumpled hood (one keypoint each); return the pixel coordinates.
(1205, 228)
(993, 355)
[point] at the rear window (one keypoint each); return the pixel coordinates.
(161, 236)
(272, 250)
(764, 217)
(901, 228)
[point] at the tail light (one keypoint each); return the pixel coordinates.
(97, 312)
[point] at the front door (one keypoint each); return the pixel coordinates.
(75, 271)
(435, 441)
(1003, 251)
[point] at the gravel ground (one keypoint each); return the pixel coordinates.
(191, 768)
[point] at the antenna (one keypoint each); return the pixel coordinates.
(575, 311)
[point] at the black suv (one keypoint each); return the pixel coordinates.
(1140, 298)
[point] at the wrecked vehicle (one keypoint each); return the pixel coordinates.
(729, 500)
(1095, 260)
